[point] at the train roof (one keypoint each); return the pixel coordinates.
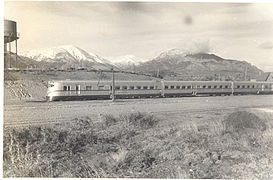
(130, 81)
(93, 81)
(199, 81)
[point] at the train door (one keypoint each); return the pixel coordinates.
(68, 90)
(232, 88)
(162, 89)
(194, 89)
(78, 89)
(262, 87)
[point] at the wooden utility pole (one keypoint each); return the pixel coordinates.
(134, 68)
(16, 53)
(245, 73)
(9, 52)
(113, 85)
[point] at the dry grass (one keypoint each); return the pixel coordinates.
(140, 145)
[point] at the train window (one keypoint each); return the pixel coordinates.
(100, 87)
(215, 87)
(209, 87)
(253, 86)
(166, 87)
(183, 87)
(172, 87)
(117, 87)
(88, 88)
(132, 87)
(226, 86)
(177, 87)
(266, 86)
(124, 87)
(68, 88)
(248, 86)
(220, 86)
(65, 88)
(156, 87)
(145, 87)
(78, 87)
(138, 87)
(204, 86)
(151, 87)
(238, 86)
(243, 86)
(188, 87)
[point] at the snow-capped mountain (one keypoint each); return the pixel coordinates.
(64, 53)
(126, 60)
(69, 55)
(186, 50)
(172, 52)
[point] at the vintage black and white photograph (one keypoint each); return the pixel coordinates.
(116, 89)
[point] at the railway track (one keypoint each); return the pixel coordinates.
(94, 116)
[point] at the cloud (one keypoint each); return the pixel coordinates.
(199, 47)
(266, 45)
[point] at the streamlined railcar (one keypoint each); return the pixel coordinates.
(78, 90)
(137, 89)
(247, 87)
(196, 88)
(91, 90)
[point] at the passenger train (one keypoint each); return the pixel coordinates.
(91, 90)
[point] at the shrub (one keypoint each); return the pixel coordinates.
(139, 120)
(109, 120)
(242, 120)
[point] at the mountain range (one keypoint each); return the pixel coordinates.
(171, 64)
(68, 56)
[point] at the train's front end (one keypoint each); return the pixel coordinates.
(53, 90)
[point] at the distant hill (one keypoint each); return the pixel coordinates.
(126, 61)
(63, 57)
(175, 64)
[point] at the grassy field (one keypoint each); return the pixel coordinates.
(143, 145)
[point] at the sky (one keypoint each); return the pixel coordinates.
(241, 31)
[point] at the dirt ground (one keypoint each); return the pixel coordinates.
(190, 108)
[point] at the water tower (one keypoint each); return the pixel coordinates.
(10, 36)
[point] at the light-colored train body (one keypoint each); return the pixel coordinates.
(90, 90)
